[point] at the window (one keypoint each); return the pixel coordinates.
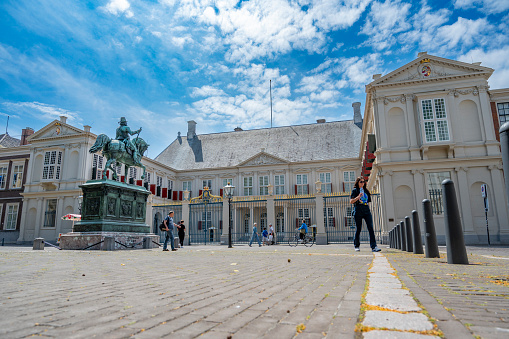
(97, 167)
(207, 183)
(52, 165)
(349, 219)
(17, 176)
(503, 112)
(248, 185)
(435, 120)
(159, 181)
(206, 220)
(118, 170)
(279, 184)
(51, 213)
(435, 190)
(170, 185)
(3, 177)
(133, 172)
(263, 221)
(348, 181)
(264, 184)
(147, 177)
(280, 222)
(302, 184)
(11, 217)
(328, 217)
(186, 186)
(303, 213)
(246, 223)
(226, 181)
(325, 178)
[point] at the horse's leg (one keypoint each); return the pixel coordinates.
(144, 170)
(108, 165)
(126, 173)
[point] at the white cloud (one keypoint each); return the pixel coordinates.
(486, 6)
(496, 59)
(384, 21)
(41, 110)
(207, 91)
(464, 31)
(119, 7)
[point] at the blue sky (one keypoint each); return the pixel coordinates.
(162, 63)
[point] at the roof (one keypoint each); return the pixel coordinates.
(312, 142)
(7, 141)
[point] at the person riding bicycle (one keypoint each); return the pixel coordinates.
(303, 229)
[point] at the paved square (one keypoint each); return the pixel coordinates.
(207, 291)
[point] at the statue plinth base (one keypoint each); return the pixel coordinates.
(110, 209)
(96, 240)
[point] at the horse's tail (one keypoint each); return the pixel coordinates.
(102, 139)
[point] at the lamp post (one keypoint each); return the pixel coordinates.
(228, 190)
(318, 186)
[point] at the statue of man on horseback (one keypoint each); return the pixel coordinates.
(123, 134)
(121, 149)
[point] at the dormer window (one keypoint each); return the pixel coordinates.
(434, 117)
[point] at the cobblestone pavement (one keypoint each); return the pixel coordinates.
(476, 295)
(206, 291)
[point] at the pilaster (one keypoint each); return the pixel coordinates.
(499, 203)
(321, 235)
(466, 215)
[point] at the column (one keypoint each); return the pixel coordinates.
(464, 200)
(419, 188)
(321, 235)
(498, 204)
(185, 216)
(387, 198)
(58, 221)
(24, 211)
(39, 220)
(226, 220)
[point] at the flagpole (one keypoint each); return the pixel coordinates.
(270, 83)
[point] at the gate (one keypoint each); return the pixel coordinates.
(161, 212)
(246, 211)
(339, 221)
(205, 218)
(290, 211)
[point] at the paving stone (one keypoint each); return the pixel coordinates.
(394, 320)
(395, 335)
(395, 300)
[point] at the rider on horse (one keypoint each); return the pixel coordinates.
(123, 134)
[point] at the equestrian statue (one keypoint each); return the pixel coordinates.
(121, 149)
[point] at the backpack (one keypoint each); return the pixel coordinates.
(162, 227)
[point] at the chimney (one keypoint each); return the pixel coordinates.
(238, 129)
(320, 121)
(357, 117)
(191, 129)
(86, 128)
(63, 119)
(25, 133)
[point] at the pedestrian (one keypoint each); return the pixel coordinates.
(255, 234)
(168, 223)
(265, 237)
(271, 234)
(182, 232)
(360, 198)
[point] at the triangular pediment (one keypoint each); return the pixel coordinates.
(429, 67)
(55, 129)
(263, 158)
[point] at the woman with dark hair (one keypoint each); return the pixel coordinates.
(360, 198)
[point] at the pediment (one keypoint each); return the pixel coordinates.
(55, 129)
(263, 158)
(429, 67)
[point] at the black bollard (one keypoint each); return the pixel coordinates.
(417, 233)
(403, 235)
(390, 239)
(504, 147)
(456, 251)
(393, 239)
(409, 242)
(396, 241)
(398, 237)
(430, 239)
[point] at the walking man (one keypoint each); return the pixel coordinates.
(168, 223)
(255, 234)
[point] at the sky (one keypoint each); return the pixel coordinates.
(161, 63)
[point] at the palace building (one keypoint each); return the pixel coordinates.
(429, 120)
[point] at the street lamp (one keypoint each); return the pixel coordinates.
(229, 190)
(318, 186)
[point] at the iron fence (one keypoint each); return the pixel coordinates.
(205, 223)
(161, 211)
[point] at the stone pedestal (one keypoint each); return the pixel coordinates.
(110, 209)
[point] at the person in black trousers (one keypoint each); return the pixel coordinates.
(360, 198)
(182, 232)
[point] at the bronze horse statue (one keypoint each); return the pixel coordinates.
(115, 151)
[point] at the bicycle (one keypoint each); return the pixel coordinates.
(308, 240)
